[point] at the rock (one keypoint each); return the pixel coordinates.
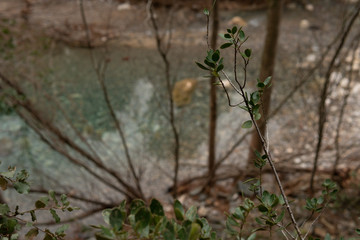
(183, 90)
(311, 58)
(304, 24)
(203, 211)
(309, 7)
(237, 21)
(123, 6)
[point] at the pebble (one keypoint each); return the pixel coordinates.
(237, 21)
(304, 24)
(123, 6)
(309, 7)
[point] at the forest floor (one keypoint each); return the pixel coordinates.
(306, 31)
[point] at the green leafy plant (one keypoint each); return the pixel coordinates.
(150, 222)
(271, 207)
(11, 221)
(236, 221)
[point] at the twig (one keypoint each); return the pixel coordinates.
(324, 93)
(100, 71)
(342, 109)
(164, 56)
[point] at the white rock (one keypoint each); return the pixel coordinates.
(304, 24)
(123, 6)
(309, 7)
(344, 82)
(311, 58)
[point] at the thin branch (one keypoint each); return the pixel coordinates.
(164, 56)
(76, 218)
(324, 94)
(100, 71)
(73, 196)
(343, 106)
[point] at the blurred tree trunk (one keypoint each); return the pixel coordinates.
(267, 69)
(213, 101)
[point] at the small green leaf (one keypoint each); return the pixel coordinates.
(219, 68)
(22, 176)
(216, 56)
(233, 30)
(201, 66)
(260, 85)
(267, 80)
(226, 45)
(169, 232)
(252, 236)
(262, 208)
(241, 35)
(142, 219)
(33, 215)
(206, 12)
(247, 124)
(48, 236)
(244, 108)
(210, 64)
(327, 237)
(239, 214)
(3, 183)
(10, 173)
(247, 52)
(191, 213)
(136, 205)
(32, 234)
(62, 229)
(226, 35)
(179, 210)
(230, 229)
(4, 209)
(156, 208)
(280, 217)
(116, 219)
(358, 231)
(194, 231)
(10, 225)
(55, 216)
(22, 187)
(40, 204)
(232, 222)
(257, 116)
(53, 197)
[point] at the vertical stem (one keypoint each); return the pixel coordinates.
(213, 102)
(324, 93)
(266, 70)
(100, 72)
(342, 110)
(163, 54)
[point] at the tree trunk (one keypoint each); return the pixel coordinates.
(266, 70)
(213, 101)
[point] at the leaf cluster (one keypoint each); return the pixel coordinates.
(11, 221)
(150, 222)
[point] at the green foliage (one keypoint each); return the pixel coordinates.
(11, 221)
(150, 222)
(235, 222)
(235, 37)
